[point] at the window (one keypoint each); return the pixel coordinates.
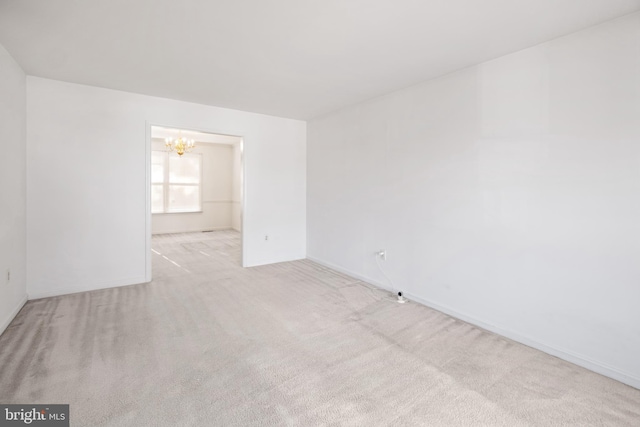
(175, 182)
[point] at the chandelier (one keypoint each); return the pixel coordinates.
(180, 145)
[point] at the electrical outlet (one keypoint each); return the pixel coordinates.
(382, 254)
(8, 275)
(266, 237)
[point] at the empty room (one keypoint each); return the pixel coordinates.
(359, 213)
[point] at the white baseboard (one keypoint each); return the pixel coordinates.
(351, 273)
(6, 322)
(97, 286)
(564, 354)
(585, 362)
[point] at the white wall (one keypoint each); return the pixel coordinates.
(217, 177)
(506, 194)
(13, 293)
(236, 188)
(87, 183)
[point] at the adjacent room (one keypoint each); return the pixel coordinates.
(320, 213)
(196, 188)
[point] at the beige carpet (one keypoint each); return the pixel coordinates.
(208, 343)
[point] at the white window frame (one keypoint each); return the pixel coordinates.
(166, 183)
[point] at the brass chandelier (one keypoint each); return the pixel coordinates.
(180, 145)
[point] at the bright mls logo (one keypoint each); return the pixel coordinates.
(34, 415)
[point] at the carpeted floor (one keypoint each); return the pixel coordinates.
(208, 343)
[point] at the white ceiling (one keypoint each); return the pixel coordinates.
(291, 58)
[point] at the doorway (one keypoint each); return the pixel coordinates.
(195, 186)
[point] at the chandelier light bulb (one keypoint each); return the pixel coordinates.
(180, 145)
